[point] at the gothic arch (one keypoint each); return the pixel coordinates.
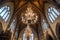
(11, 5)
(33, 31)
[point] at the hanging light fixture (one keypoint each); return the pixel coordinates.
(29, 17)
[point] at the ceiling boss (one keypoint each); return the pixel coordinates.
(29, 17)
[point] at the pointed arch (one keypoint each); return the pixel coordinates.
(6, 11)
(53, 13)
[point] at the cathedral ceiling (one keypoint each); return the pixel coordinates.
(21, 5)
(39, 4)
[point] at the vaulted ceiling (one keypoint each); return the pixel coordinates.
(21, 5)
(39, 4)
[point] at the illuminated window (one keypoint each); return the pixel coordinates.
(52, 14)
(24, 37)
(12, 26)
(31, 37)
(16, 33)
(44, 25)
(5, 12)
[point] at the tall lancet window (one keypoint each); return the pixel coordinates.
(12, 26)
(44, 25)
(24, 37)
(16, 34)
(31, 37)
(5, 12)
(53, 14)
(28, 35)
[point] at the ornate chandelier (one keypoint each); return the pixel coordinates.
(29, 17)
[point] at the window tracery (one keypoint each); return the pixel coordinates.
(53, 14)
(5, 12)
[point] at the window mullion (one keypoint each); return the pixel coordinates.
(53, 17)
(56, 12)
(3, 10)
(50, 18)
(5, 13)
(7, 17)
(51, 14)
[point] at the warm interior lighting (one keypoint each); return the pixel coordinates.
(29, 17)
(28, 31)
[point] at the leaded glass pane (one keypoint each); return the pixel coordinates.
(7, 18)
(5, 12)
(56, 11)
(52, 14)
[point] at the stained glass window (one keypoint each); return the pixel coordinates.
(31, 37)
(44, 25)
(52, 14)
(12, 26)
(5, 12)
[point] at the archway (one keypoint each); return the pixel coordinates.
(33, 35)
